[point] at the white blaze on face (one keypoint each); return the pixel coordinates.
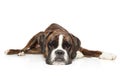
(60, 42)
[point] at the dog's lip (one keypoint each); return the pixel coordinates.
(59, 59)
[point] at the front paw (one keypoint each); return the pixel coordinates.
(107, 56)
(7, 52)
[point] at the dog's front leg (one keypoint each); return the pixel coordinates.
(33, 47)
(98, 54)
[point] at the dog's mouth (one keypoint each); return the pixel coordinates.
(58, 61)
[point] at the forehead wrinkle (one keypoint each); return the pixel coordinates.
(52, 36)
(58, 33)
(67, 38)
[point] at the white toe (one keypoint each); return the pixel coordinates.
(21, 54)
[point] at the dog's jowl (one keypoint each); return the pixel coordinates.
(58, 46)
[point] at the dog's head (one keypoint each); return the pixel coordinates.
(60, 47)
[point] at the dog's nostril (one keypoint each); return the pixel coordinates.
(59, 52)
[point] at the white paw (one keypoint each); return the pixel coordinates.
(7, 51)
(79, 55)
(107, 56)
(21, 54)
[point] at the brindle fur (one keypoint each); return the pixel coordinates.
(37, 45)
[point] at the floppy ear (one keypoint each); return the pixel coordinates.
(76, 46)
(41, 41)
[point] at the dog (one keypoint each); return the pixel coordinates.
(58, 46)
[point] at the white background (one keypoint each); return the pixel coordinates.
(95, 22)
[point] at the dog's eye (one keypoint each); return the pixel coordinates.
(66, 44)
(53, 43)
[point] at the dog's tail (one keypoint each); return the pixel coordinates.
(12, 51)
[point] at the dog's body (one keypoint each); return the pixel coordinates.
(58, 46)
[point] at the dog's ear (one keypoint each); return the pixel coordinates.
(41, 41)
(76, 46)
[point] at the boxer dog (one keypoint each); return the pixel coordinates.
(58, 47)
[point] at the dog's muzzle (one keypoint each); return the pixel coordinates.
(59, 56)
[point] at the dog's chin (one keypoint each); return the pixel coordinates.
(61, 62)
(58, 62)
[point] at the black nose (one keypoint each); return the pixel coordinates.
(59, 52)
